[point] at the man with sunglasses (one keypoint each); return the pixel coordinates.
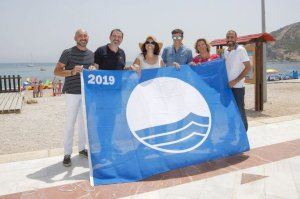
(110, 56)
(238, 66)
(177, 54)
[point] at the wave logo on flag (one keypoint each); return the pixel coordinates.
(168, 115)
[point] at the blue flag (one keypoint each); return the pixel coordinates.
(162, 119)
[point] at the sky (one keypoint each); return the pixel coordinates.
(39, 30)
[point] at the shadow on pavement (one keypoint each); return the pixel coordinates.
(50, 173)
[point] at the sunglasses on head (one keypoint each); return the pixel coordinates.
(177, 37)
(150, 42)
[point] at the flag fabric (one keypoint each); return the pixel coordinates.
(139, 125)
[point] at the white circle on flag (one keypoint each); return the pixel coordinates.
(168, 115)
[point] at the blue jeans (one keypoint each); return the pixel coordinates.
(239, 95)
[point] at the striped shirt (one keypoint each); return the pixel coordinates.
(72, 57)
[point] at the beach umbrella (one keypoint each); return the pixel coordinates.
(271, 70)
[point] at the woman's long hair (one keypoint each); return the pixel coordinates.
(155, 52)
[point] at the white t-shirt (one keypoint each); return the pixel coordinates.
(145, 65)
(234, 64)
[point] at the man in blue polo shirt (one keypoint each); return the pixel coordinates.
(177, 54)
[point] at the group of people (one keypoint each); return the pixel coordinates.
(112, 57)
(56, 87)
(37, 88)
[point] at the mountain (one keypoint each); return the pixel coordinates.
(287, 44)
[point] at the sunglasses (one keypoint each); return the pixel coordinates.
(150, 42)
(176, 37)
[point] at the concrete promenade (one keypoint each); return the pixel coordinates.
(271, 169)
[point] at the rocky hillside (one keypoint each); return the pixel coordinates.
(287, 44)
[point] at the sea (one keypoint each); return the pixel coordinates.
(44, 71)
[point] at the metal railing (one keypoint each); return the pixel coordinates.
(10, 83)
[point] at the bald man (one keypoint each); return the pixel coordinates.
(70, 64)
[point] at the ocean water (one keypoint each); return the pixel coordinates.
(44, 71)
(284, 67)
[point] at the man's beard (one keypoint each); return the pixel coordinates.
(231, 43)
(116, 42)
(82, 43)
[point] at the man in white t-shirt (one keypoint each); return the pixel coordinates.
(238, 66)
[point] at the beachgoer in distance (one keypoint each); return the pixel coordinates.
(70, 65)
(54, 87)
(35, 88)
(59, 87)
(40, 88)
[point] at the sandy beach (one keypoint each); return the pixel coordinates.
(40, 126)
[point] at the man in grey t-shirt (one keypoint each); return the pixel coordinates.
(70, 64)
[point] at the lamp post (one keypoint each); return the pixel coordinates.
(263, 29)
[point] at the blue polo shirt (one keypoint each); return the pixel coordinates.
(182, 56)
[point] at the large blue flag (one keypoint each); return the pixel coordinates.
(163, 119)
